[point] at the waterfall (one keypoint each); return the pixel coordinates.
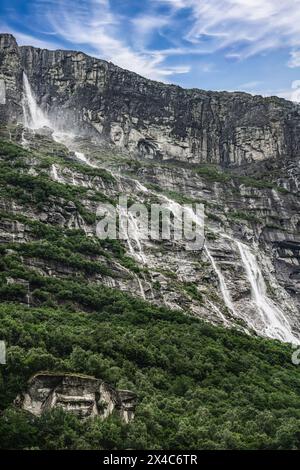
(218, 311)
(34, 118)
(222, 282)
(135, 232)
(132, 233)
(140, 187)
(275, 324)
(132, 251)
(55, 174)
(81, 157)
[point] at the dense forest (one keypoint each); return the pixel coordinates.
(198, 385)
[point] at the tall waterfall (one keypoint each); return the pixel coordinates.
(275, 323)
(222, 282)
(271, 317)
(34, 118)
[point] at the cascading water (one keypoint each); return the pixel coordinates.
(218, 312)
(223, 287)
(134, 231)
(275, 324)
(34, 118)
(80, 156)
(55, 174)
(123, 215)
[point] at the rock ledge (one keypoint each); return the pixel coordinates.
(82, 395)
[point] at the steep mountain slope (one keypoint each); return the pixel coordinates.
(77, 132)
(248, 273)
(155, 120)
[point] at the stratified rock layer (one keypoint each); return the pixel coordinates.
(148, 118)
(255, 202)
(82, 395)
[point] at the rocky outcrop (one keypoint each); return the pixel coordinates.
(151, 119)
(255, 203)
(11, 74)
(79, 394)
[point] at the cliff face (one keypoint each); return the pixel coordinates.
(151, 119)
(82, 395)
(163, 140)
(11, 73)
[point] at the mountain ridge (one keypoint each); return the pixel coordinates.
(201, 337)
(154, 120)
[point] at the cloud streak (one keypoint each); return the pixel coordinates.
(94, 24)
(242, 27)
(162, 38)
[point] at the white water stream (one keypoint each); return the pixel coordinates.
(34, 118)
(275, 323)
(223, 287)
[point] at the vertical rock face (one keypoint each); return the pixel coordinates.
(149, 118)
(11, 74)
(255, 203)
(82, 395)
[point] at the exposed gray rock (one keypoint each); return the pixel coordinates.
(82, 395)
(145, 124)
(11, 73)
(151, 119)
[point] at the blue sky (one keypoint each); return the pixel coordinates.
(248, 45)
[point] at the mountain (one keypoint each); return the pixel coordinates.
(149, 118)
(199, 335)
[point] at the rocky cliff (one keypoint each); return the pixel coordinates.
(148, 118)
(235, 153)
(82, 395)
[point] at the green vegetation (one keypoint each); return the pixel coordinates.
(241, 215)
(214, 173)
(16, 182)
(198, 386)
(70, 248)
(90, 171)
(181, 198)
(193, 292)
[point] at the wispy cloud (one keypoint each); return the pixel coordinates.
(95, 25)
(160, 39)
(250, 87)
(28, 39)
(294, 59)
(243, 27)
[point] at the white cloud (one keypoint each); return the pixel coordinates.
(294, 60)
(94, 24)
(244, 27)
(29, 40)
(250, 86)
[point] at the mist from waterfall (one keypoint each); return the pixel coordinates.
(34, 117)
(273, 320)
